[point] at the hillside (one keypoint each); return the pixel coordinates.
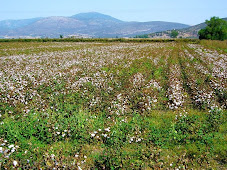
(190, 32)
(91, 24)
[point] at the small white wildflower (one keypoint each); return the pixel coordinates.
(99, 130)
(1, 150)
(76, 156)
(85, 157)
(58, 133)
(171, 164)
(92, 134)
(79, 168)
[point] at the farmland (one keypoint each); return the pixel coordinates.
(112, 105)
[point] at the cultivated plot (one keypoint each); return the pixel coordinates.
(112, 105)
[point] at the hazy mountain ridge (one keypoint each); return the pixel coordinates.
(91, 24)
(12, 24)
(95, 16)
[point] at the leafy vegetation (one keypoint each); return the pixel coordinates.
(216, 29)
(174, 34)
(142, 36)
(112, 105)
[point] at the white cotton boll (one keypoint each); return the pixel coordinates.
(13, 150)
(15, 163)
(1, 150)
(10, 146)
(107, 129)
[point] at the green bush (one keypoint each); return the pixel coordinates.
(216, 29)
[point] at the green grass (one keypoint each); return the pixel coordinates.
(215, 44)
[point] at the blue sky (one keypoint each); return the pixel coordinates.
(184, 11)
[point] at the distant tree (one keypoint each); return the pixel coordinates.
(216, 29)
(174, 34)
(142, 36)
(61, 36)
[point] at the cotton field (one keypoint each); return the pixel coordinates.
(83, 105)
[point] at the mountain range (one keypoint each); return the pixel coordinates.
(90, 24)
